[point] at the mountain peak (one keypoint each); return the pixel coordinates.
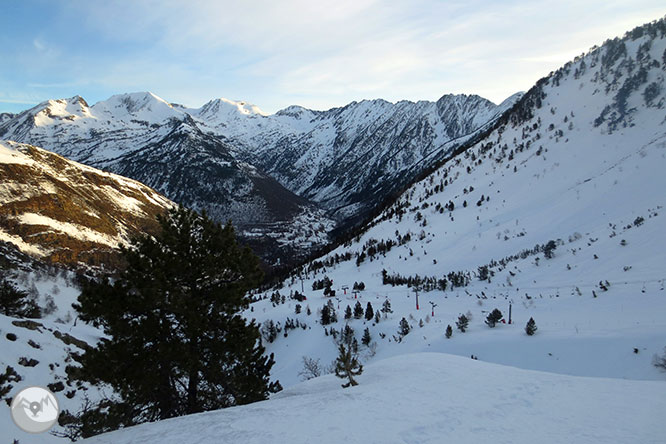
(143, 106)
(221, 109)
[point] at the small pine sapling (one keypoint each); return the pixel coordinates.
(347, 365)
(462, 323)
(369, 312)
(358, 310)
(365, 340)
(404, 327)
(449, 331)
(531, 327)
(493, 318)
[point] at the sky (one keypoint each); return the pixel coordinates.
(318, 54)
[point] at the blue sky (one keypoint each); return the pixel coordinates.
(314, 53)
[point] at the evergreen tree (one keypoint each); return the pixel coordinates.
(331, 311)
(377, 317)
(347, 365)
(325, 315)
(365, 340)
(549, 248)
(176, 340)
(462, 323)
(17, 303)
(369, 312)
(493, 318)
(6, 379)
(386, 307)
(449, 331)
(404, 327)
(348, 313)
(269, 331)
(358, 310)
(347, 335)
(531, 327)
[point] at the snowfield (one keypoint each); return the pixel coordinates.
(429, 398)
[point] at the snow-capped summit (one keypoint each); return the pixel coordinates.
(139, 106)
(55, 110)
(219, 110)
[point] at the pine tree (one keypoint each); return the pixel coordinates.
(493, 318)
(404, 327)
(325, 315)
(365, 340)
(6, 379)
(347, 335)
(549, 248)
(377, 317)
(347, 365)
(358, 310)
(16, 303)
(369, 312)
(348, 313)
(331, 311)
(449, 331)
(386, 307)
(462, 322)
(176, 340)
(531, 327)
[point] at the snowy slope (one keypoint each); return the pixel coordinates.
(48, 341)
(66, 212)
(429, 398)
(579, 161)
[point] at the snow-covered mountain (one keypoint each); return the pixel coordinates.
(269, 174)
(143, 137)
(555, 211)
(69, 213)
(350, 159)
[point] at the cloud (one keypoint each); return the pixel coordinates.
(319, 54)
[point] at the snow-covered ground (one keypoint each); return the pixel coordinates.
(430, 398)
(48, 342)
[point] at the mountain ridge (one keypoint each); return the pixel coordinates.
(65, 212)
(336, 165)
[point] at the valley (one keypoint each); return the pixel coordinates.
(547, 207)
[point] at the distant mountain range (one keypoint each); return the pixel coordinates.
(286, 180)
